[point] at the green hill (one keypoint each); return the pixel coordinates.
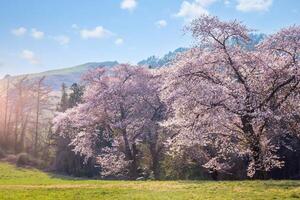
(55, 78)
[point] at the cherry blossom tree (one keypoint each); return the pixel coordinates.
(220, 89)
(121, 109)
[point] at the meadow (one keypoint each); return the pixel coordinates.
(24, 183)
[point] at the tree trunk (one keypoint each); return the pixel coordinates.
(254, 145)
(5, 134)
(155, 153)
(37, 116)
(155, 160)
(130, 156)
(8, 126)
(22, 138)
(256, 152)
(16, 131)
(156, 167)
(134, 165)
(214, 175)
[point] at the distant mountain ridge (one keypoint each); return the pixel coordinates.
(55, 78)
(156, 62)
(70, 75)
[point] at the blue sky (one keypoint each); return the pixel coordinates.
(39, 35)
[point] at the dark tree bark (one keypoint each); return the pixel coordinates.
(37, 120)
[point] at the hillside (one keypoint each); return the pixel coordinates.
(70, 75)
(20, 183)
(55, 78)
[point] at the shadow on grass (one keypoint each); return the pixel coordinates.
(286, 184)
(280, 184)
(68, 178)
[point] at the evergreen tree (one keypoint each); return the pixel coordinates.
(64, 102)
(75, 95)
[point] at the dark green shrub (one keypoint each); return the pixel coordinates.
(25, 159)
(2, 153)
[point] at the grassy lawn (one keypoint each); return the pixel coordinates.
(18, 183)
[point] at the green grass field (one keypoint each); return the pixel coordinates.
(18, 183)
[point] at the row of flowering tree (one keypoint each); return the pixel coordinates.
(216, 102)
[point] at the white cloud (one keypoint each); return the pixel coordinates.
(161, 23)
(253, 5)
(37, 34)
(96, 33)
(119, 41)
(226, 2)
(29, 56)
(62, 39)
(129, 4)
(75, 26)
(194, 9)
(19, 31)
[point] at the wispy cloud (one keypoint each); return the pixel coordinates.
(97, 33)
(253, 5)
(226, 2)
(129, 4)
(36, 34)
(161, 23)
(119, 41)
(75, 26)
(19, 31)
(191, 10)
(29, 56)
(62, 39)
